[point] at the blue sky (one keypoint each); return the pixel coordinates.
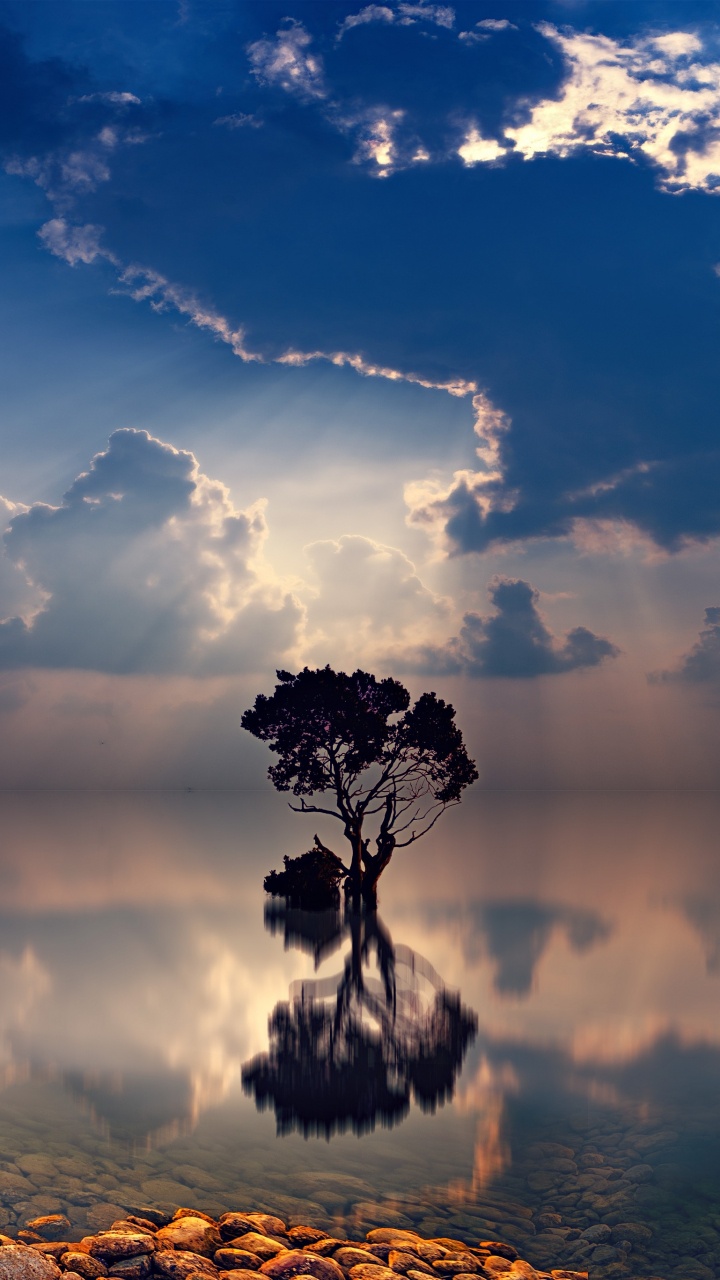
(379, 335)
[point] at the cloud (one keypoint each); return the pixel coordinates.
(485, 30)
(286, 62)
(702, 664)
(73, 244)
(239, 120)
(146, 566)
(368, 598)
(403, 15)
(514, 642)
(115, 98)
(655, 98)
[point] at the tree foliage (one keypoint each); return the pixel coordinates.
(357, 740)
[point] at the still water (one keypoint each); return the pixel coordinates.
(523, 1044)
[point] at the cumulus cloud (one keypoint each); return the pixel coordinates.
(403, 15)
(146, 566)
(368, 599)
(287, 62)
(514, 642)
(655, 98)
(701, 665)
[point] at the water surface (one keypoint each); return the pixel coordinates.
(575, 941)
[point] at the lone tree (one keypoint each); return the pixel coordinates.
(357, 740)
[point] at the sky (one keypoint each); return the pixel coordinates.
(375, 335)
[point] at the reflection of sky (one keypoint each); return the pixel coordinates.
(132, 938)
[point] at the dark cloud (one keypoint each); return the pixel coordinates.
(702, 664)
(146, 567)
(515, 641)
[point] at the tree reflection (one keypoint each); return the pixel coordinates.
(358, 1047)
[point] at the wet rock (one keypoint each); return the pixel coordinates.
(19, 1262)
(144, 1213)
(598, 1233)
(267, 1223)
(49, 1227)
(232, 1225)
(392, 1236)
(180, 1266)
(300, 1236)
(494, 1265)
(522, 1270)
(38, 1165)
(638, 1173)
(134, 1224)
(401, 1261)
(53, 1248)
(352, 1256)
(296, 1262)
(113, 1246)
(194, 1213)
(457, 1265)
(194, 1233)
(366, 1271)
(137, 1268)
(499, 1249)
(545, 1220)
(225, 1275)
(229, 1259)
(262, 1246)
(603, 1254)
(636, 1232)
(431, 1251)
(325, 1247)
(165, 1189)
(100, 1217)
(85, 1265)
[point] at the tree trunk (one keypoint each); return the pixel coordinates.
(354, 835)
(374, 865)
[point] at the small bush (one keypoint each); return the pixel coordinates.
(311, 881)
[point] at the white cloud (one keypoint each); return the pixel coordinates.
(239, 120)
(478, 150)
(376, 142)
(652, 98)
(286, 62)
(146, 566)
(115, 98)
(73, 243)
(485, 29)
(428, 499)
(368, 599)
(402, 15)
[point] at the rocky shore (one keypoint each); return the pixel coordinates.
(150, 1244)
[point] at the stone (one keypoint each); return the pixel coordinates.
(351, 1256)
(232, 1225)
(300, 1236)
(296, 1262)
(137, 1268)
(145, 1214)
(165, 1189)
(459, 1264)
(100, 1217)
(523, 1270)
(230, 1259)
(194, 1233)
(324, 1247)
(237, 1274)
(112, 1246)
(638, 1173)
(495, 1265)
(267, 1223)
(180, 1266)
(545, 1220)
(499, 1249)
(401, 1262)
(134, 1224)
(54, 1248)
(85, 1265)
(50, 1227)
(598, 1233)
(263, 1246)
(19, 1262)
(635, 1232)
(430, 1250)
(37, 1165)
(604, 1253)
(366, 1271)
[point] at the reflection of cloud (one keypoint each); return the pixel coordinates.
(703, 912)
(485, 1096)
(516, 933)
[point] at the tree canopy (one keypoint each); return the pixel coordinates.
(356, 740)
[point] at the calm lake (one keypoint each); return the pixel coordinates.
(524, 1044)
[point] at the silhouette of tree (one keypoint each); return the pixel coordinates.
(357, 1047)
(358, 739)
